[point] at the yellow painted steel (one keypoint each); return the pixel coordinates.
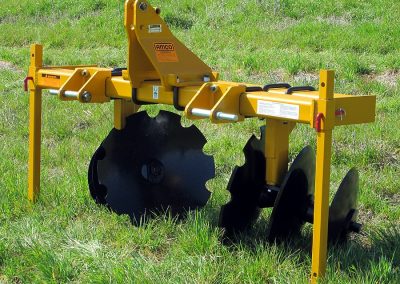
(356, 109)
(250, 105)
(217, 97)
(48, 78)
(326, 109)
(35, 124)
(229, 103)
(123, 109)
(158, 63)
(94, 85)
(277, 150)
(118, 87)
(154, 52)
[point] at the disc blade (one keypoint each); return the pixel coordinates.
(154, 164)
(294, 197)
(96, 190)
(245, 186)
(343, 208)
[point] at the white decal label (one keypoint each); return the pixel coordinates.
(156, 91)
(155, 29)
(278, 110)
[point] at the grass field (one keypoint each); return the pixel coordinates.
(66, 238)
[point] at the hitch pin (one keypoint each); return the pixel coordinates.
(67, 94)
(219, 115)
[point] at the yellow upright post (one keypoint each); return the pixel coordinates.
(324, 124)
(277, 150)
(123, 109)
(35, 124)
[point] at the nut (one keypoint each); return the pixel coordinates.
(86, 97)
(214, 88)
(143, 6)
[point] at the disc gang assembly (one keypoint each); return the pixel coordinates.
(147, 165)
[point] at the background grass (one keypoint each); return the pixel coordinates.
(65, 237)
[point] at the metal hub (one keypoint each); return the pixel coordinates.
(153, 171)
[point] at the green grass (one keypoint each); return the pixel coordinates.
(65, 237)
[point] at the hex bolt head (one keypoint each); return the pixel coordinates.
(86, 97)
(143, 6)
(214, 88)
(85, 73)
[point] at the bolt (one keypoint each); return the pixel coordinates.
(84, 73)
(206, 78)
(340, 113)
(214, 88)
(86, 97)
(143, 6)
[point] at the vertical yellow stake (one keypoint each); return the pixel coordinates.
(35, 124)
(326, 110)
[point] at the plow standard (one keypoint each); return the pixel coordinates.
(152, 164)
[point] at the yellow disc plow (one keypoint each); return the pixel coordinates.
(150, 164)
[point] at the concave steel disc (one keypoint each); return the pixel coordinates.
(97, 191)
(342, 212)
(294, 197)
(152, 165)
(245, 186)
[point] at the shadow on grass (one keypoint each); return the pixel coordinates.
(383, 242)
(363, 254)
(357, 255)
